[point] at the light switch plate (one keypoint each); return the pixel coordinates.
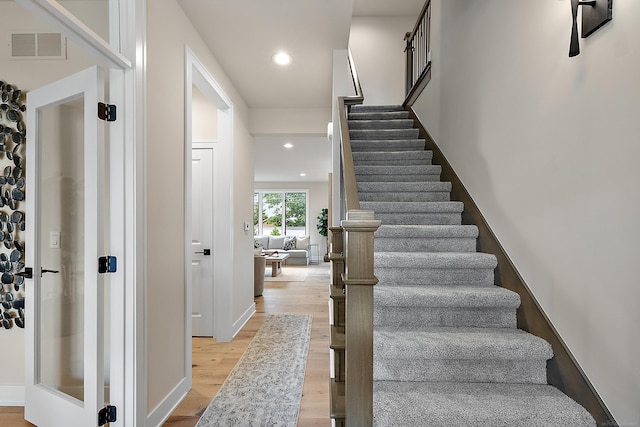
(54, 239)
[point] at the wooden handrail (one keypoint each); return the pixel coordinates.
(348, 171)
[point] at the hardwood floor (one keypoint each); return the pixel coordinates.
(213, 361)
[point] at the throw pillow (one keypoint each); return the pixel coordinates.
(276, 242)
(303, 242)
(261, 242)
(289, 243)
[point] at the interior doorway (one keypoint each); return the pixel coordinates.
(218, 113)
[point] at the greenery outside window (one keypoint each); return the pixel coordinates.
(280, 213)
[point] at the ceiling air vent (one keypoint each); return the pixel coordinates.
(38, 46)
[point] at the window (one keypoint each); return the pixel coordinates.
(280, 213)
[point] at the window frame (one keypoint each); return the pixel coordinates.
(258, 229)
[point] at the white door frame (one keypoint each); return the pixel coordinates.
(222, 250)
(127, 237)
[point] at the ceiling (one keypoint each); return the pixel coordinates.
(243, 35)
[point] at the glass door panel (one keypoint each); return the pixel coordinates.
(61, 328)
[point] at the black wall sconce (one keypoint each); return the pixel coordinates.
(595, 14)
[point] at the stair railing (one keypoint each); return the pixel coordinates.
(418, 52)
(358, 280)
(348, 171)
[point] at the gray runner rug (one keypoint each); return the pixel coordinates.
(265, 386)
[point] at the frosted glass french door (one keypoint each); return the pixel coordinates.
(65, 296)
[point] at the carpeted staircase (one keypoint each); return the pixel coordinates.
(447, 351)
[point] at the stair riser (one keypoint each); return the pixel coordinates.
(426, 244)
(419, 219)
(500, 317)
(380, 124)
(393, 146)
(432, 196)
(433, 276)
(528, 371)
(384, 134)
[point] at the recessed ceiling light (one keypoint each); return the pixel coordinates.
(288, 145)
(303, 174)
(281, 58)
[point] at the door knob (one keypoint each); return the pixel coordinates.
(204, 252)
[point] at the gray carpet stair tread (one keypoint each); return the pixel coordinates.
(458, 343)
(417, 207)
(383, 134)
(432, 404)
(381, 124)
(445, 296)
(367, 108)
(379, 115)
(366, 156)
(435, 260)
(362, 145)
(427, 231)
(403, 187)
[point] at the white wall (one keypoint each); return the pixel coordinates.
(318, 199)
(204, 120)
(377, 46)
(168, 33)
(547, 146)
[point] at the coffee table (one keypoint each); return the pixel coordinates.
(276, 263)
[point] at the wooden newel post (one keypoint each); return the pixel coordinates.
(359, 280)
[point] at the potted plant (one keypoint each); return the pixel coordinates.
(323, 230)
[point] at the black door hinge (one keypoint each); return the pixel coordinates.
(106, 112)
(107, 264)
(107, 415)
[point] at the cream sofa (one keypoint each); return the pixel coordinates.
(296, 247)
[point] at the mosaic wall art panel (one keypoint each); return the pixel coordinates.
(12, 214)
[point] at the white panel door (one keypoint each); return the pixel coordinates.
(202, 241)
(65, 297)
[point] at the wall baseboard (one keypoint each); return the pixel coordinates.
(563, 371)
(242, 320)
(12, 395)
(164, 409)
